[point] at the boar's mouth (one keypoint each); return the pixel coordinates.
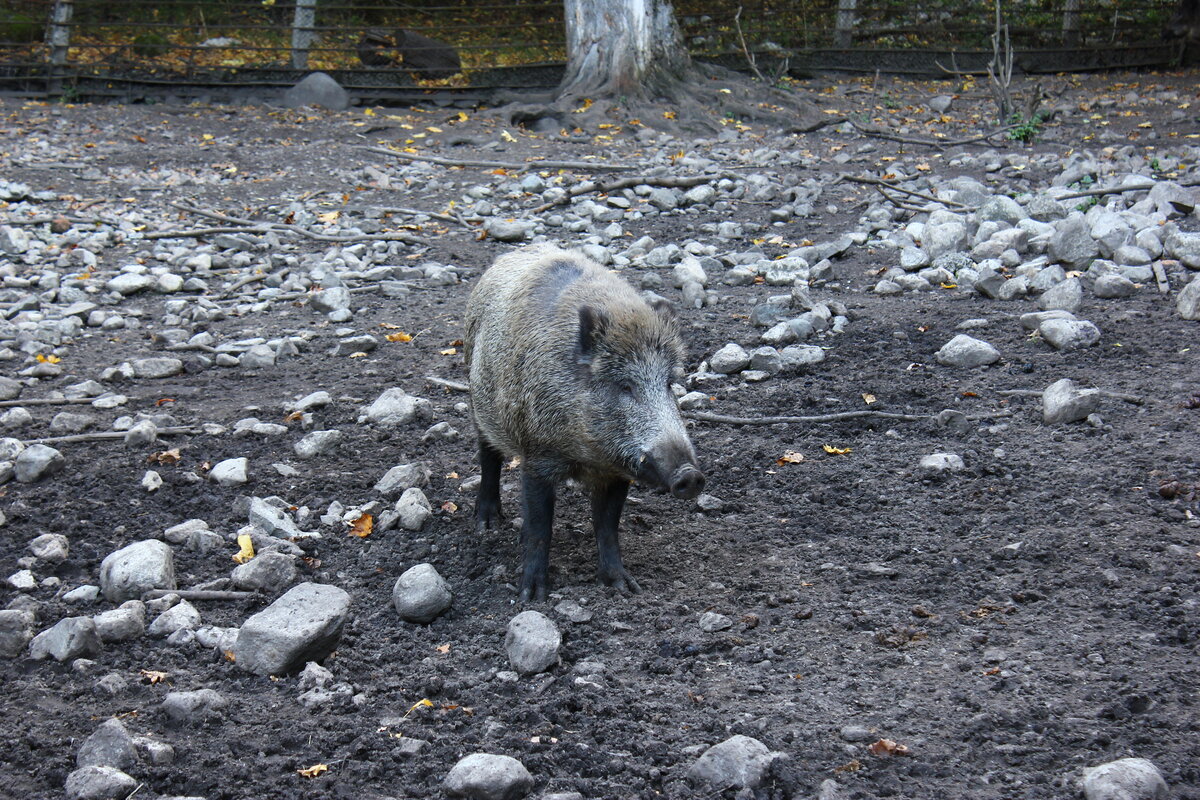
(684, 481)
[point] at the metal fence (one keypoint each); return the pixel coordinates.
(382, 49)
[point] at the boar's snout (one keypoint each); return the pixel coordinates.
(687, 482)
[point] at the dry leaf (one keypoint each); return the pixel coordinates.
(886, 747)
(422, 703)
(449, 507)
(399, 336)
(247, 549)
(295, 416)
(313, 771)
(50, 359)
(229, 656)
(851, 766)
(587, 103)
(443, 648)
(868, 398)
(152, 676)
(359, 354)
(391, 326)
(790, 457)
(508, 137)
(362, 526)
(449, 351)
(836, 451)
(165, 457)
(330, 216)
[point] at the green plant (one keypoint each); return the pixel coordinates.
(1154, 165)
(1025, 129)
(150, 45)
(1086, 204)
(890, 102)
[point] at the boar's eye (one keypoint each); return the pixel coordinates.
(626, 389)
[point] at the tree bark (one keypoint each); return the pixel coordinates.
(623, 48)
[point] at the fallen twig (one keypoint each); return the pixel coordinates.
(250, 226)
(1128, 398)
(606, 187)
(1140, 187)
(198, 594)
(594, 166)
(416, 212)
(885, 184)
(106, 436)
(47, 401)
(707, 416)
(1160, 277)
(941, 143)
(453, 386)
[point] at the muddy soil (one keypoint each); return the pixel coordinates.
(1008, 624)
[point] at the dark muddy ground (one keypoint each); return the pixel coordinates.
(1009, 624)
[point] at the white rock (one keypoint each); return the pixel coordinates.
(50, 547)
(729, 359)
(302, 625)
(941, 463)
(99, 783)
(532, 642)
(739, 762)
(183, 615)
(68, 639)
(318, 443)
(396, 407)
(126, 573)
(399, 479)
(413, 509)
(37, 461)
(1067, 334)
(483, 776)
(1188, 304)
(967, 351)
(268, 571)
(230, 472)
(421, 594)
(1063, 401)
(122, 624)
(1124, 779)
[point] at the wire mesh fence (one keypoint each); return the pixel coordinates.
(390, 48)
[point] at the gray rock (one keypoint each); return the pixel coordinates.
(110, 745)
(941, 103)
(797, 357)
(1072, 243)
(689, 270)
(766, 359)
(1063, 401)
(1124, 779)
(122, 624)
(259, 356)
(70, 638)
(230, 472)
(967, 351)
(22, 580)
(421, 594)
(302, 625)
(1045, 209)
(143, 433)
(913, 258)
(700, 195)
(181, 616)
(194, 706)
(311, 401)
(941, 464)
(399, 479)
(729, 359)
(271, 572)
(36, 462)
(65, 423)
(317, 89)
(508, 230)
(330, 299)
(483, 776)
(1000, 208)
(1113, 285)
(10, 389)
(99, 783)
(396, 407)
(413, 509)
(711, 622)
(948, 237)
(356, 344)
(16, 629)
(83, 595)
(128, 283)
(318, 443)
(1066, 334)
(663, 198)
(13, 241)
(1188, 303)
(1066, 296)
(159, 367)
(136, 568)
(1034, 319)
(273, 521)
(50, 547)
(532, 643)
(739, 762)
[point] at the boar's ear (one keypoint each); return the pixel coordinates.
(592, 322)
(664, 308)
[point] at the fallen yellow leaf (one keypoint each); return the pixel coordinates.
(400, 336)
(152, 675)
(836, 451)
(362, 526)
(313, 771)
(868, 398)
(247, 549)
(790, 457)
(422, 703)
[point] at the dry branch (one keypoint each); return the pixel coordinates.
(592, 166)
(105, 436)
(896, 188)
(198, 594)
(605, 187)
(1128, 398)
(453, 386)
(939, 143)
(706, 416)
(47, 401)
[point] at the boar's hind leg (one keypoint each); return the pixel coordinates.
(535, 532)
(607, 502)
(487, 501)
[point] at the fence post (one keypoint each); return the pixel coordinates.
(843, 34)
(302, 32)
(59, 39)
(1070, 26)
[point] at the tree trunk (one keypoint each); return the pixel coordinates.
(623, 48)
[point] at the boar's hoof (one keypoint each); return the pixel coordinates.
(487, 519)
(533, 587)
(620, 580)
(687, 482)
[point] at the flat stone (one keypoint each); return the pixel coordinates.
(1124, 779)
(303, 625)
(729, 359)
(230, 472)
(532, 642)
(271, 572)
(739, 762)
(399, 479)
(50, 547)
(1063, 401)
(110, 745)
(483, 776)
(396, 407)
(941, 463)
(37, 461)
(158, 367)
(1034, 319)
(1066, 334)
(1065, 296)
(193, 706)
(797, 357)
(318, 443)
(122, 624)
(68, 639)
(967, 351)
(508, 230)
(181, 616)
(421, 594)
(136, 568)
(99, 783)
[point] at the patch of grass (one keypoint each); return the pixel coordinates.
(1026, 130)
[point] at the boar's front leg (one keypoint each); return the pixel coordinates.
(487, 500)
(535, 532)
(608, 500)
